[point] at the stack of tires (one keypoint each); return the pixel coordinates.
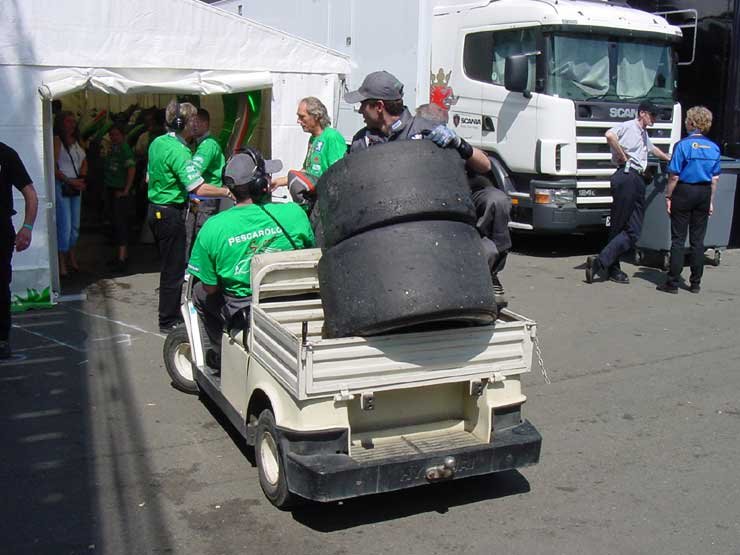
(400, 246)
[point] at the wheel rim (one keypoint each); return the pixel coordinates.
(183, 360)
(269, 459)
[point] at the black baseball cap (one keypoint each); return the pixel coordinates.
(647, 106)
(379, 85)
(241, 169)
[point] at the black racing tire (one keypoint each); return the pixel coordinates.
(179, 362)
(405, 275)
(270, 467)
(392, 183)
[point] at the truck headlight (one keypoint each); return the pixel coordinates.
(554, 196)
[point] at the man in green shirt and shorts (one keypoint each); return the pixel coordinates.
(172, 175)
(325, 146)
(223, 250)
(209, 160)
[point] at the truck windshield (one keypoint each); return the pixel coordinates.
(610, 68)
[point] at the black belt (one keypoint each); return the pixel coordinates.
(173, 206)
(701, 183)
(636, 170)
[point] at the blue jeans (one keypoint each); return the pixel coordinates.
(68, 219)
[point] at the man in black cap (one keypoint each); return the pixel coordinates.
(387, 119)
(223, 250)
(630, 145)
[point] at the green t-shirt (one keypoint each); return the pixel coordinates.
(172, 173)
(209, 160)
(116, 166)
(323, 151)
(223, 250)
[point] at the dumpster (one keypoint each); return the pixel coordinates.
(656, 227)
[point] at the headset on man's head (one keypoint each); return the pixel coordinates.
(178, 121)
(259, 184)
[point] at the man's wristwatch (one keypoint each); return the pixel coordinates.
(464, 149)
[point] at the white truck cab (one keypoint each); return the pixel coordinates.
(586, 66)
(337, 418)
(590, 63)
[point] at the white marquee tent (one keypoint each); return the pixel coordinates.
(51, 48)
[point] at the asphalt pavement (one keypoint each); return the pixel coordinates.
(640, 425)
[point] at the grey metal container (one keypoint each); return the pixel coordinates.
(656, 227)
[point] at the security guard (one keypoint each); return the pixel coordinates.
(172, 175)
(630, 145)
(689, 197)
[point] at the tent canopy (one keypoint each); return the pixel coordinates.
(182, 46)
(49, 49)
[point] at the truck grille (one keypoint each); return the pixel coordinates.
(594, 165)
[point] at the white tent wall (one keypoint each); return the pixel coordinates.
(56, 47)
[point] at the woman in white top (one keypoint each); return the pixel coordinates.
(70, 172)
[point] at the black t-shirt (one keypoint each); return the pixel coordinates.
(12, 172)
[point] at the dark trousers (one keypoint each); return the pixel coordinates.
(493, 208)
(120, 212)
(7, 242)
(215, 311)
(168, 227)
(196, 217)
(627, 211)
(689, 213)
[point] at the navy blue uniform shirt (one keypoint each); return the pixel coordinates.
(695, 159)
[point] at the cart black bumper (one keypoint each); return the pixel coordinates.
(331, 477)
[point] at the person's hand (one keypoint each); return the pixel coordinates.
(443, 136)
(668, 206)
(711, 208)
(120, 193)
(22, 239)
(78, 184)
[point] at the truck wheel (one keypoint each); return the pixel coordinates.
(397, 182)
(405, 275)
(178, 360)
(270, 462)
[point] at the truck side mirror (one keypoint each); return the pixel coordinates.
(516, 73)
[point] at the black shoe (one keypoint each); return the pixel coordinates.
(593, 268)
(695, 288)
(213, 360)
(5, 351)
(499, 294)
(665, 288)
(167, 328)
(618, 276)
(121, 266)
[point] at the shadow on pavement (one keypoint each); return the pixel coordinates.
(74, 461)
(553, 246)
(437, 498)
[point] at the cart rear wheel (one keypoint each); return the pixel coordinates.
(178, 360)
(666, 261)
(270, 463)
(717, 258)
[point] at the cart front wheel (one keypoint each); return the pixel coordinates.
(178, 360)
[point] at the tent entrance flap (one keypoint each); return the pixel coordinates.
(60, 82)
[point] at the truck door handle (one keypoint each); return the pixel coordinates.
(488, 124)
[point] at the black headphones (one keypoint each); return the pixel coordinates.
(259, 185)
(178, 121)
